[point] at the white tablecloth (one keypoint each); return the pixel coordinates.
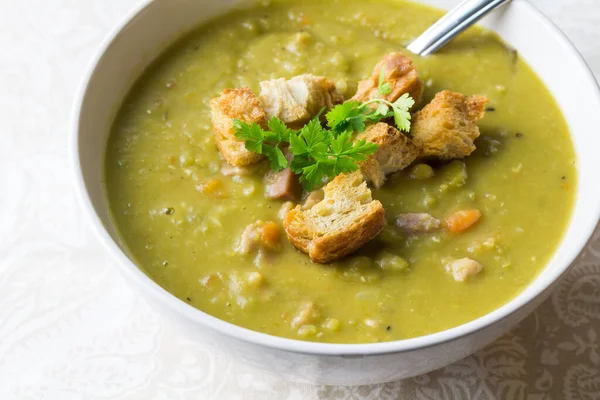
(70, 328)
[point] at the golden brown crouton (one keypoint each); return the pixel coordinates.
(340, 224)
(400, 73)
(463, 269)
(395, 152)
(243, 105)
(296, 101)
(312, 198)
(446, 127)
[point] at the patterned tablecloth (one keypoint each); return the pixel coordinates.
(70, 328)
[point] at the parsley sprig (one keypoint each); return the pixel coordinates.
(353, 115)
(320, 154)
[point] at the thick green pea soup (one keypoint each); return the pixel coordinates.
(182, 218)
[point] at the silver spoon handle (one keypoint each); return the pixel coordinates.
(454, 22)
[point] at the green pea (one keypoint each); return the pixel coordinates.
(331, 324)
(421, 171)
(307, 331)
(391, 262)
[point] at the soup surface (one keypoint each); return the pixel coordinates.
(161, 151)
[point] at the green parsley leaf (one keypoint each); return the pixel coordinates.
(252, 134)
(265, 142)
(313, 176)
(404, 102)
(276, 158)
(401, 114)
(346, 117)
(279, 130)
(315, 138)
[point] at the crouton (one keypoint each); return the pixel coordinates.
(243, 105)
(446, 127)
(463, 269)
(399, 72)
(296, 101)
(340, 224)
(395, 152)
(312, 198)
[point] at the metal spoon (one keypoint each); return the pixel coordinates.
(450, 25)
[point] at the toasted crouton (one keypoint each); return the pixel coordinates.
(340, 224)
(401, 75)
(446, 127)
(395, 152)
(296, 101)
(243, 105)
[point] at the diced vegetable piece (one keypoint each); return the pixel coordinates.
(259, 235)
(391, 236)
(271, 235)
(307, 331)
(255, 279)
(307, 313)
(462, 220)
(359, 269)
(421, 171)
(331, 324)
(457, 173)
(391, 262)
(210, 186)
(463, 269)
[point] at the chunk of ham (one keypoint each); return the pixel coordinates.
(413, 223)
(282, 185)
(463, 269)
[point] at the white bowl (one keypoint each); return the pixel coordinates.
(154, 25)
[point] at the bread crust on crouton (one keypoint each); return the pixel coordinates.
(400, 73)
(446, 127)
(241, 104)
(297, 100)
(395, 152)
(340, 224)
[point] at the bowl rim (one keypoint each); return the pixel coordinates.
(206, 321)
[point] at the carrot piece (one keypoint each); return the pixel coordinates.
(462, 220)
(270, 235)
(210, 186)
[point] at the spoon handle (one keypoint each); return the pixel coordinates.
(450, 25)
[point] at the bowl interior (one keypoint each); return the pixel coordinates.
(152, 27)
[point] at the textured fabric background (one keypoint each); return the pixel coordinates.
(70, 328)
